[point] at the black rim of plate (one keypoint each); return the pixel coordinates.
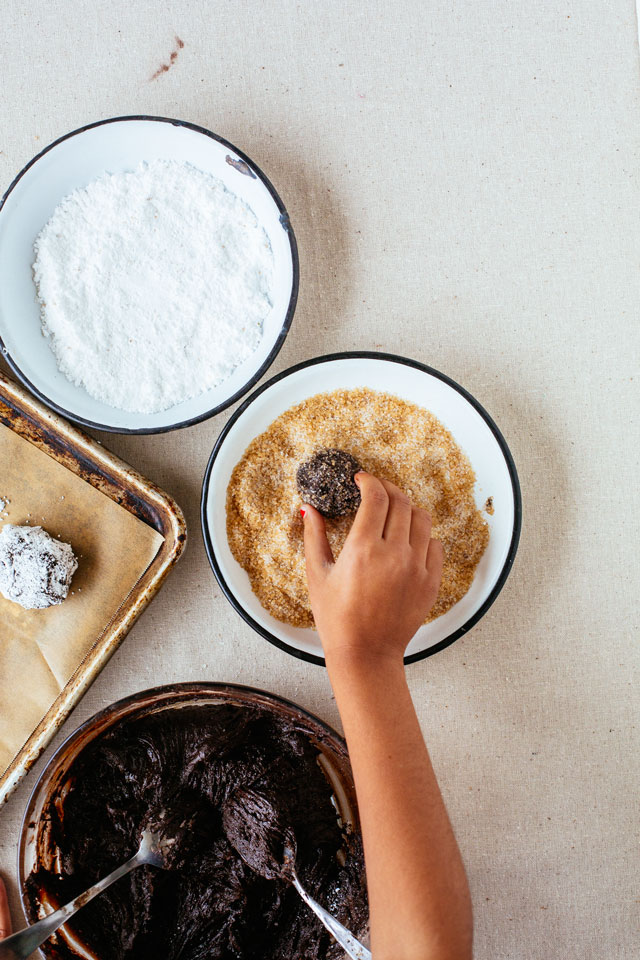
(393, 358)
(284, 330)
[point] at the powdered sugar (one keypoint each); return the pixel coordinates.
(35, 569)
(154, 285)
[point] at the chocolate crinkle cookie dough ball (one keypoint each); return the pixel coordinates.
(326, 482)
(35, 569)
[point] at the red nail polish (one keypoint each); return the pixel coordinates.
(303, 512)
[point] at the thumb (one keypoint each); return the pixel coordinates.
(316, 546)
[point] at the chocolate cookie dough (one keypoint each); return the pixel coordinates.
(230, 772)
(326, 482)
(255, 829)
(35, 569)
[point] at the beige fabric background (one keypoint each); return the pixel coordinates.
(463, 182)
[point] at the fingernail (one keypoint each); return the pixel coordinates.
(303, 512)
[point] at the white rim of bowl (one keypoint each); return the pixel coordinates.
(393, 358)
(284, 330)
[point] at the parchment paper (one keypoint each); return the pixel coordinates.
(41, 649)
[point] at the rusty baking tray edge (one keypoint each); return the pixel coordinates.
(103, 470)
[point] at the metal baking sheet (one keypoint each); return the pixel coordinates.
(105, 472)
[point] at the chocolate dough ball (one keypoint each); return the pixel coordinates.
(35, 569)
(326, 482)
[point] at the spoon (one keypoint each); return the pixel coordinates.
(253, 829)
(154, 848)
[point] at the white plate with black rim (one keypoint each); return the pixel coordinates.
(472, 428)
(73, 161)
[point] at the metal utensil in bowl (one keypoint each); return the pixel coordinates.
(269, 849)
(345, 938)
(155, 844)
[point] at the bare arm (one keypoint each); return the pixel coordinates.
(367, 606)
(5, 916)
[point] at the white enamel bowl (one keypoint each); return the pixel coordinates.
(74, 161)
(470, 424)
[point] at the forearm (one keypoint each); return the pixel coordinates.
(418, 892)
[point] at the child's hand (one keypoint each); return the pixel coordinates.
(367, 605)
(372, 599)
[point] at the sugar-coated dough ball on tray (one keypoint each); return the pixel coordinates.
(35, 569)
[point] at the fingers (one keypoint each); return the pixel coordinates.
(5, 917)
(316, 546)
(435, 560)
(372, 512)
(398, 522)
(420, 531)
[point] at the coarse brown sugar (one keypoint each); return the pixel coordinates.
(390, 438)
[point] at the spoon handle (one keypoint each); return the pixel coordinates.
(21, 945)
(347, 941)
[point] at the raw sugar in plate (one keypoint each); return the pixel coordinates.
(388, 437)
